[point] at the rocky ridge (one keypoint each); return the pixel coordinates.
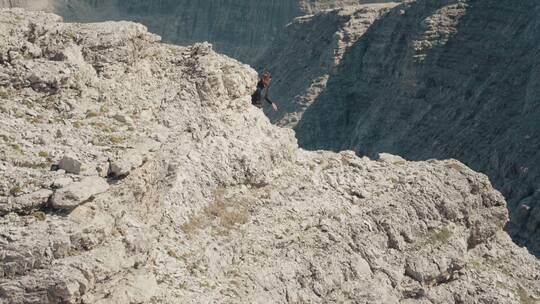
(138, 172)
(45, 5)
(243, 29)
(425, 79)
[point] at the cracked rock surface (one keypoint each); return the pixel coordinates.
(423, 79)
(196, 198)
(243, 29)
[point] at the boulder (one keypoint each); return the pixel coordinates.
(70, 164)
(77, 193)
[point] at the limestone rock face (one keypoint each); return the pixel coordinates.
(47, 5)
(425, 79)
(243, 29)
(213, 203)
(308, 52)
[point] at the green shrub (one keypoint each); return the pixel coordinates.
(15, 191)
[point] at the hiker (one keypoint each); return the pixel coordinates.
(262, 92)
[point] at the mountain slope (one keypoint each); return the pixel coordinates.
(138, 172)
(243, 29)
(443, 79)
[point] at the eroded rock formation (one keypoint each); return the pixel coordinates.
(427, 79)
(243, 29)
(308, 51)
(138, 172)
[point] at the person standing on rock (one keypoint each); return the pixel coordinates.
(262, 92)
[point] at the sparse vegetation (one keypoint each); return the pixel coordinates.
(115, 139)
(228, 216)
(91, 114)
(77, 124)
(4, 93)
(71, 35)
(194, 224)
(441, 236)
(104, 127)
(15, 190)
(16, 147)
(34, 120)
(38, 215)
(28, 103)
(476, 264)
(32, 165)
(225, 214)
(43, 154)
(50, 99)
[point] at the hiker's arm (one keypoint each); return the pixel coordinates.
(274, 105)
(267, 98)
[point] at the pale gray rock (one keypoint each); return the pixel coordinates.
(123, 118)
(78, 193)
(61, 182)
(27, 202)
(132, 158)
(426, 79)
(28, 4)
(226, 207)
(70, 164)
(391, 159)
(243, 29)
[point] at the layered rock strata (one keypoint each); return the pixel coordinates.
(243, 29)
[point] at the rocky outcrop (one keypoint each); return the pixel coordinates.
(316, 6)
(47, 5)
(198, 198)
(243, 29)
(429, 79)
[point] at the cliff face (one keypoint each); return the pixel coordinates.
(45, 5)
(308, 51)
(317, 6)
(439, 79)
(243, 29)
(138, 172)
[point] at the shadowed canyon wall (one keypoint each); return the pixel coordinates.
(242, 29)
(444, 79)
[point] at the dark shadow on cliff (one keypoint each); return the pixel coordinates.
(300, 55)
(240, 29)
(474, 97)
